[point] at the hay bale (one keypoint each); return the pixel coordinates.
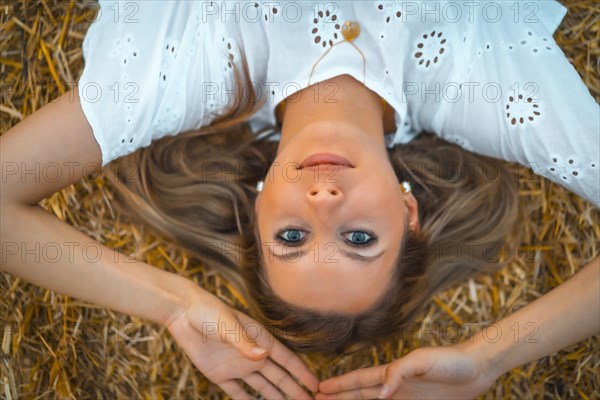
(53, 346)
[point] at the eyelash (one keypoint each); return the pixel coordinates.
(278, 237)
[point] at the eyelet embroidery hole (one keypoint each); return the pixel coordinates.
(430, 49)
(228, 52)
(169, 56)
(324, 33)
(520, 110)
(569, 167)
(536, 44)
(391, 11)
(125, 50)
(274, 11)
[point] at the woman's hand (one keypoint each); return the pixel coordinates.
(468, 369)
(220, 342)
(455, 372)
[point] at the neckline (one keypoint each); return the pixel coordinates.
(339, 64)
(389, 115)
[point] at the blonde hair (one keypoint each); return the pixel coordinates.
(199, 191)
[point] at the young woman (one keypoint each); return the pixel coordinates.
(341, 240)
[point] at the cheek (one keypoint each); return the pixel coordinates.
(381, 189)
(381, 201)
(280, 196)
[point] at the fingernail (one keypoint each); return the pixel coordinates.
(384, 391)
(258, 350)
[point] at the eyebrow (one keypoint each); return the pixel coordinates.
(350, 254)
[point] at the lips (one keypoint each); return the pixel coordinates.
(325, 159)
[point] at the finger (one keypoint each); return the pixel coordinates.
(414, 363)
(231, 331)
(361, 378)
(279, 353)
(234, 390)
(283, 381)
(294, 365)
(362, 393)
(263, 386)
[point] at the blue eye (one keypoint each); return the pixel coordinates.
(360, 238)
(291, 235)
(294, 236)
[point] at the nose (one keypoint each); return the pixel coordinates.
(324, 201)
(325, 194)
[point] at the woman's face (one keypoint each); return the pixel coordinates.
(331, 234)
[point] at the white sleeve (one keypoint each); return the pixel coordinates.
(513, 95)
(138, 83)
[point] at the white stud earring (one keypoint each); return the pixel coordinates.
(406, 187)
(259, 186)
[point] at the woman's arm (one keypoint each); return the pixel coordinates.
(564, 316)
(41, 249)
(55, 147)
(42, 154)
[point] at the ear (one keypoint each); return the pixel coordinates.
(412, 208)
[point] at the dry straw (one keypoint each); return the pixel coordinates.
(54, 346)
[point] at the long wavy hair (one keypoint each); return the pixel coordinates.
(198, 189)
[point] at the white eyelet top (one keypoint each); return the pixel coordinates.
(485, 75)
